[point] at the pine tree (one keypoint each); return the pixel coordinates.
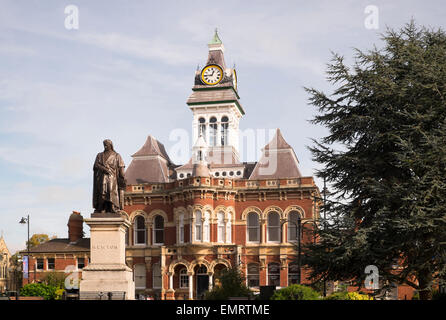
(385, 158)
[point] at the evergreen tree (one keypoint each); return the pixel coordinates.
(385, 158)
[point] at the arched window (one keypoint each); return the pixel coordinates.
(253, 275)
(274, 274)
(181, 228)
(293, 274)
(158, 230)
(156, 276)
(139, 230)
(253, 227)
(221, 226)
(293, 222)
(229, 229)
(140, 276)
(198, 225)
(224, 130)
(184, 279)
(207, 227)
(273, 227)
(213, 131)
(202, 128)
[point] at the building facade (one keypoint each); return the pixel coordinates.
(214, 212)
(5, 257)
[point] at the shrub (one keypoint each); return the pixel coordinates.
(39, 290)
(296, 292)
(231, 284)
(348, 296)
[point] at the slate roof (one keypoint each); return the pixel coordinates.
(151, 163)
(278, 161)
(61, 245)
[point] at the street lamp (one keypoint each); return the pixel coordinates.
(23, 221)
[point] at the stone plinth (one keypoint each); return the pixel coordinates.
(107, 271)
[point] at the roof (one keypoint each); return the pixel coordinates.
(151, 163)
(278, 161)
(152, 147)
(61, 245)
(215, 39)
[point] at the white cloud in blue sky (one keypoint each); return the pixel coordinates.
(128, 71)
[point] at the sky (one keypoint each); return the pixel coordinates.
(128, 69)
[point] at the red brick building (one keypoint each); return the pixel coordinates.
(190, 221)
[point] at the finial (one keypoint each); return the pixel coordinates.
(216, 38)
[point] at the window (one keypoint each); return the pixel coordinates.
(181, 228)
(158, 230)
(239, 173)
(140, 276)
(80, 263)
(184, 278)
(50, 263)
(224, 131)
(206, 226)
(39, 264)
(217, 174)
(202, 128)
(156, 272)
(293, 274)
(213, 132)
(253, 227)
(228, 229)
(274, 274)
(198, 225)
(140, 230)
(223, 173)
(221, 226)
(181, 175)
(253, 275)
(273, 227)
(293, 222)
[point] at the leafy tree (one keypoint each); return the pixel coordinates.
(231, 283)
(296, 292)
(385, 158)
(37, 239)
(343, 295)
(55, 279)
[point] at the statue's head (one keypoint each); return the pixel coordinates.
(108, 145)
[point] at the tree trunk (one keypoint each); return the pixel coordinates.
(424, 281)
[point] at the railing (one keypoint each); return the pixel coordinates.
(112, 295)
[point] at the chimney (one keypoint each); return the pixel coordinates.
(75, 227)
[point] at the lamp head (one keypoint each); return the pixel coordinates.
(23, 221)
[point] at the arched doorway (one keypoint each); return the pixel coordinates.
(201, 280)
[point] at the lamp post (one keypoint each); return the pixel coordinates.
(23, 221)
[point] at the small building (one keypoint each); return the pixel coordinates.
(5, 257)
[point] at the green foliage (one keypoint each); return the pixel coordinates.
(55, 279)
(39, 290)
(37, 239)
(342, 295)
(296, 292)
(384, 159)
(437, 295)
(231, 283)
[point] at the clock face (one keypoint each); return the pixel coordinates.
(212, 74)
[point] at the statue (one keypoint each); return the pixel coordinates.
(108, 180)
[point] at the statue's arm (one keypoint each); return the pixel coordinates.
(99, 166)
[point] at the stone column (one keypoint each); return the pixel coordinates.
(191, 293)
(211, 275)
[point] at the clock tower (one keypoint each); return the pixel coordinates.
(217, 111)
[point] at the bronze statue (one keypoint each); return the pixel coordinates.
(108, 180)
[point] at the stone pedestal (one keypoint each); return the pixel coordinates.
(107, 271)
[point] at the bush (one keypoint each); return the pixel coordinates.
(296, 292)
(39, 290)
(231, 284)
(348, 296)
(437, 295)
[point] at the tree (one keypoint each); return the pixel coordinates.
(385, 158)
(231, 284)
(37, 239)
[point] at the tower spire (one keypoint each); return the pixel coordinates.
(215, 39)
